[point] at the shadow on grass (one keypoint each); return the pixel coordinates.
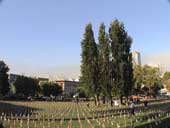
(12, 109)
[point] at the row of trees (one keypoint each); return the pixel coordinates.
(150, 80)
(26, 86)
(147, 80)
(107, 70)
(106, 66)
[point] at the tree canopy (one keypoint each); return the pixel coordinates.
(104, 62)
(89, 63)
(152, 79)
(121, 59)
(4, 84)
(49, 88)
(166, 80)
(26, 86)
(137, 77)
(106, 66)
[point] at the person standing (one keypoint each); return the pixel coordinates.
(132, 108)
(145, 103)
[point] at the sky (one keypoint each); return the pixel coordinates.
(43, 37)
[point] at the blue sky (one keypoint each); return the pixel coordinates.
(40, 37)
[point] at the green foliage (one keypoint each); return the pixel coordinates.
(107, 70)
(122, 71)
(104, 62)
(49, 88)
(137, 77)
(166, 76)
(89, 62)
(4, 84)
(82, 91)
(152, 79)
(166, 80)
(26, 86)
(148, 76)
(12, 89)
(167, 84)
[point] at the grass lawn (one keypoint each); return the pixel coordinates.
(38, 114)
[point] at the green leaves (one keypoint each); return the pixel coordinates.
(4, 84)
(166, 80)
(122, 73)
(89, 62)
(149, 76)
(26, 86)
(106, 67)
(104, 62)
(137, 77)
(49, 89)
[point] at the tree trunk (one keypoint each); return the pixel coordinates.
(111, 102)
(104, 99)
(96, 100)
(121, 99)
(127, 100)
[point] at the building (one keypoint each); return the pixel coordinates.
(12, 78)
(68, 87)
(42, 80)
(136, 58)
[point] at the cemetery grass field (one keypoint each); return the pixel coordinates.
(36, 114)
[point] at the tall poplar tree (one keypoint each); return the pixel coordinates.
(104, 63)
(89, 64)
(121, 60)
(128, 67)
(107, 70)
(115, 52)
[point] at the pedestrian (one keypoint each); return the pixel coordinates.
(145, 103)
(132, 108)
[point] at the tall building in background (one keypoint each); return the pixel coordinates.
(136, 58)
